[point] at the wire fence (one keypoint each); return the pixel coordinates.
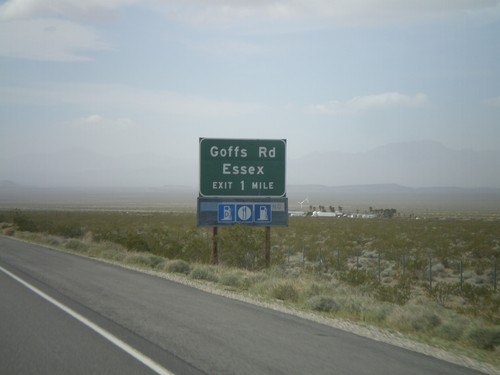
(426, 269)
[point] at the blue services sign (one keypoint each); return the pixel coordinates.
(255, 212)
(244, 213)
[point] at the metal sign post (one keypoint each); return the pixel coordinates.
(215, 247)
(267, 247)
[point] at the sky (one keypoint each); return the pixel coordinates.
(127, 79)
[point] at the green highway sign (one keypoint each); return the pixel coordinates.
(242, 167)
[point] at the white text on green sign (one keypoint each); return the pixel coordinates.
(242, 167)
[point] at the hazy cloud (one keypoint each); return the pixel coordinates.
(371, 102)
(53, 30)
(494, 101)
(16, 9)
(226, 47)
(48, 40)
(101, 97)
(233, 13)
(333, 12)
(97, 122)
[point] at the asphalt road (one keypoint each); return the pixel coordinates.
(176, 327)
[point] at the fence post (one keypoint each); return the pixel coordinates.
(404, 265)
(430, 272)
(303, 255)
(495, 276)
(379, 278)
(215, 248)
(461, 274)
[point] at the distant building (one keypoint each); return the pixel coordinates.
(343, 214)
(326, 214)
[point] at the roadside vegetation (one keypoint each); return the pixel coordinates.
(433, 280)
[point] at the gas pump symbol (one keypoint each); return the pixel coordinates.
(263, 215)
(228, 213)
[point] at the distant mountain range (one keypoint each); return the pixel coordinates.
(81, 168)
(413, 164)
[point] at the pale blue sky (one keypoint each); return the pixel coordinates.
(125, 77)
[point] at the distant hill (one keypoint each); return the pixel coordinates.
(416, 164)
(81, 168)
(7, 184)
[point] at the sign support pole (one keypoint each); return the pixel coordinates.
(267, 247)
(215, 249)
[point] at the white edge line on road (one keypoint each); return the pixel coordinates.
(108, 336)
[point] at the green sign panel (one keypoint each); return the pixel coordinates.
(242, 167)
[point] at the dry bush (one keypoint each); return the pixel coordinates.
(178, 266)
(285, 291)
(487, 338)
(203, 272)
(323, 303)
